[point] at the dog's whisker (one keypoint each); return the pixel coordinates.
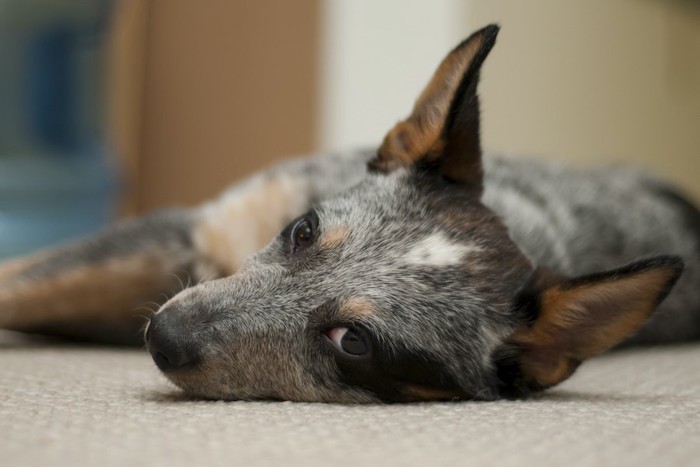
(179, 280)
(146, 319)
(145, 308)
(156, 306)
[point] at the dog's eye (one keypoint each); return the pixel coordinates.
(303, 234)
(350, 341)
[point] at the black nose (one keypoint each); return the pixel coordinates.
(169, 342)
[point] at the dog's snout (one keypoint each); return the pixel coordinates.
(170, 343)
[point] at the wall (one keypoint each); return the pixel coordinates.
(376, 58)
(596, 82)
(127, 61)
(228, 87)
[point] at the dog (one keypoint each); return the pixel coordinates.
(419, 271)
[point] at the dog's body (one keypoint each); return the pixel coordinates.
(398, 284)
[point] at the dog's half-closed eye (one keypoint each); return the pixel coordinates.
(348, 340)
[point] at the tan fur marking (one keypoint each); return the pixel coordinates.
(585, 306)
(246, 219)
(13, 267)
(334, 238)
(102, 292)
(419, 393)
(420, 134)
(546, 367)
(357, 308)
(578, 323)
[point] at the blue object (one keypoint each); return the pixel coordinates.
(46, 200)
(56, 178)
(52, 94)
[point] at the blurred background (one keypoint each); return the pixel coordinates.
(113, 108)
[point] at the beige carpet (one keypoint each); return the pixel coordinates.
(67, 405)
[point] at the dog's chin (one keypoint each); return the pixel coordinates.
(195, 385)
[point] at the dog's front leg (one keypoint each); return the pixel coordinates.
(97, 288)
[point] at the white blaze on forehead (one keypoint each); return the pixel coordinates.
(439, 250)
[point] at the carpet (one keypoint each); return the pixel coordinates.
(64, 404)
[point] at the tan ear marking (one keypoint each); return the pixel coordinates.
(583, 318)
(546, 367)
(421, 135)
(420, 393)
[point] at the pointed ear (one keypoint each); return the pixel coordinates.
(573, 320)
(444, 124)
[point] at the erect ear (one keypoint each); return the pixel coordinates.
(444, 124)
(570, 320)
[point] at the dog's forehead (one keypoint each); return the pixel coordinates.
(389, 208)
(381, 237)
(396, 215)
(377, 194)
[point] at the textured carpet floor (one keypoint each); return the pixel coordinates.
(68, 405)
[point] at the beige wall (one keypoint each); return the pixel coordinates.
(226, 88)
(596, 81)
(375, 62)
(127, 53)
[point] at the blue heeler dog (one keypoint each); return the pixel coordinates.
(418, 271)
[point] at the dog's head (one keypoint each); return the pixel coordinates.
(402, 288)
